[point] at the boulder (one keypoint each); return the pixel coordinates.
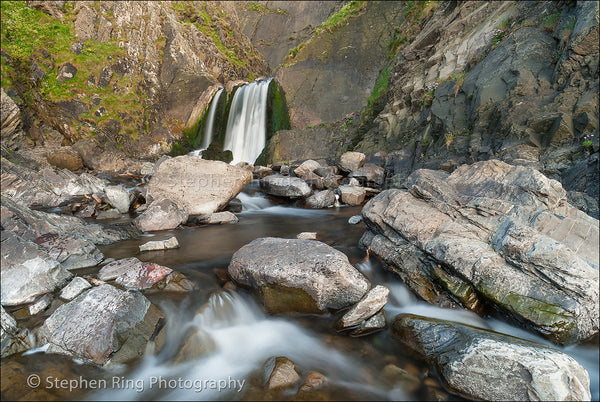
(13, 339)
(160, 244)
(368, 306)
(322, 199)
(131, 273)
(283, 186)
(298, 275)
(332, 181)
(280, 372)
(486, 365)
(118, 197)
(351, 161)
(198, 186)
(313, 180)
(370, 175)
(217, 218)
(261, 171)
(27, 271)
(308, 166)
(325, 171)
(162, 214)
(103, 325)
(492, 234)
(74, 288)
(70, 251)
(65, 158)
(352, 195)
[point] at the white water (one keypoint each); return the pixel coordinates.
(246, 125)
(208, 133)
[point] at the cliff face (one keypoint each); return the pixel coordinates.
(133, 72)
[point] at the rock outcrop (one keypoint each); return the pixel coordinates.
(486, 365)
(298, 275)
(11, 125)
(491, 234)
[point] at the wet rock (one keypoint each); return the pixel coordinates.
(351, 161)
(298, 275)
(353, 195)
(313, 381)
(27, 271)
(217, 218)
(118, 197)
(70, 251)
(74, 288)
(493, 234)
(162, 214)
(291, 187)
(370, 304)
(234, 206)
(261, 171)
(134, 274)
(400, 377)
(65, 158)
(353, 220)
(112, 213)
(373, 324)
(160, 244)
(370, 175)
(40, 305)
(196, 344)
(13, 339)
(198, 186)
(281, 373)
(308, 166)
(307, 235)
(322, 199)
(66, 72)
(10, 122)
(486, 365)
(103, 325)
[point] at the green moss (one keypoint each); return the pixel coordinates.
(550, 22)
(379, 89)
(414, 13)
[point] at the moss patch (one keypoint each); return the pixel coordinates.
(282, 299)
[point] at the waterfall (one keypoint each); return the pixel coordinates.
(207, 136)
(246, 125)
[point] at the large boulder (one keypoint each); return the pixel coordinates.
(102, 325)
(27, 271)
(298, 275)
(162, 214)
(283, 186)
(70, 251)
(492, 234)
(351, 161)
(118, 197)
(198, 186)
(485, 365)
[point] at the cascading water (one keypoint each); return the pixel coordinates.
(208, 133)
(246, 125)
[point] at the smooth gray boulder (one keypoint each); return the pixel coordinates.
(161, 214)
(118, 197)
(298, 275)
(199, 186)
(102, 325)
(486, 365)
(27, 271)
(284, 186)
(492, 234)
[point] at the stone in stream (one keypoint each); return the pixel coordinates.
(298, 275)
(492, 234)
(280, 372)
(290, 187)
(375, 323)
(352, 195)
(160, 244)
(370, 304)
(112, 213)
(350, 161)
(322, 199)
(12, 338)
(162, 214)
(74, 288)
(353, 220)
(307, 235)
(199, 186)
(104, 325)
(486, 365)
(70, 251)
(27, 271)
(217, 218)
(196, 343)
(118, 197)
(131, 273)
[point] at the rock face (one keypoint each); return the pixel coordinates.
(298, 275)
(282, 186)
(102, 325)
(493, 234)
(10, 122)
(162, 214)
(198, 186)
(486, 365)
(27, 271)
